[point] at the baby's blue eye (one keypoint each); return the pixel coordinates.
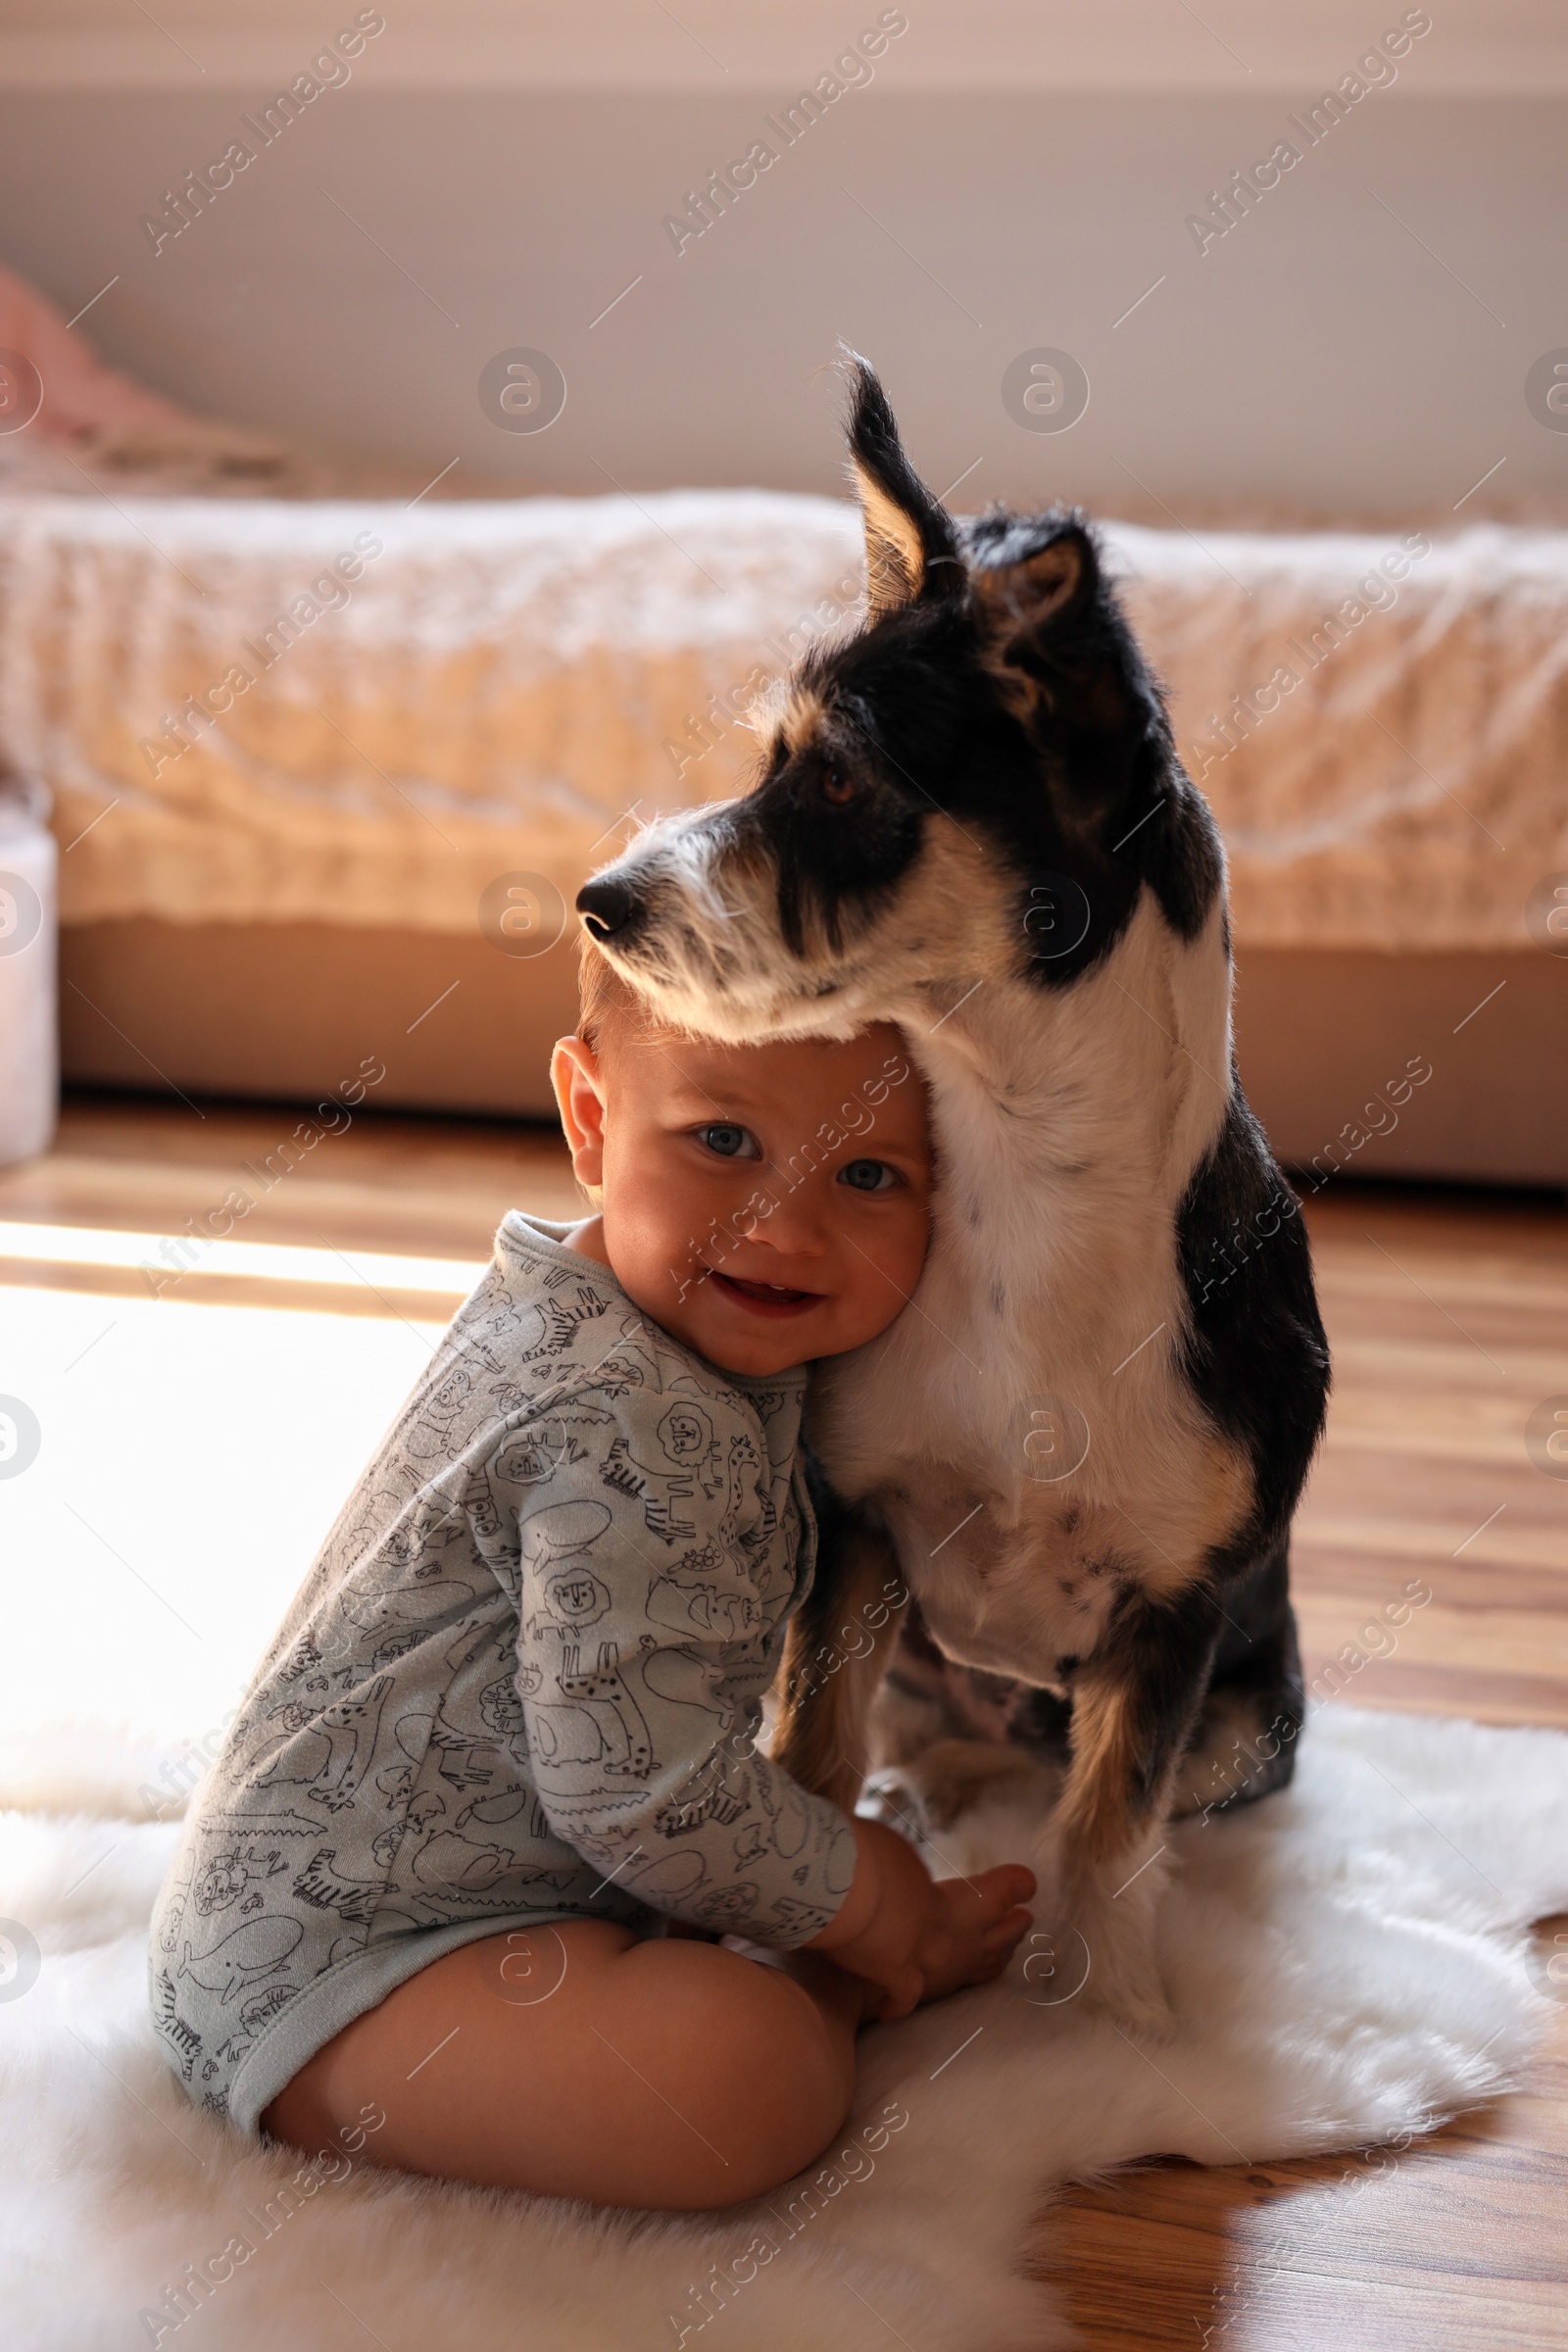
(867, 1175)
(729, 1142)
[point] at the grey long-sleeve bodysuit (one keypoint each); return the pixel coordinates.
(521, 1683)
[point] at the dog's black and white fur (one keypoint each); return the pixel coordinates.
(951, 794)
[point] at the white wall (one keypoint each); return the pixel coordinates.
(1011, 178)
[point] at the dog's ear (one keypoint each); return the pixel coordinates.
(1047, 621)
(912, 551)
(1029, 576)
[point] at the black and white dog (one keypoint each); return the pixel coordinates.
(1085, 1448)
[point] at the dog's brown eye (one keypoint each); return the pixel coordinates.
(837, 787)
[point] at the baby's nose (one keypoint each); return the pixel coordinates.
(795, 1228)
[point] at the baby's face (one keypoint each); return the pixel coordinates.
(766, 1203)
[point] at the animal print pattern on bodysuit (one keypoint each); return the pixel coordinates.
(521, 1683)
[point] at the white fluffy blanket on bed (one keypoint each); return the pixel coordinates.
(363, 712)
(1348, 1962)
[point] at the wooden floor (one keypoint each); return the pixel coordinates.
(1449, 1317)
(1449, 1320)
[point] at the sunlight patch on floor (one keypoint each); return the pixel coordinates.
(161, 1255)
(189, 1461)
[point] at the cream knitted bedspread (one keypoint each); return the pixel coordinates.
(363, 714)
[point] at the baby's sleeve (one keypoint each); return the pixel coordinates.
(650, 1614)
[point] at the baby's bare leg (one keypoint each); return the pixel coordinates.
(579, 2061)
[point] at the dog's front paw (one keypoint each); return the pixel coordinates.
(1132, 1999)
(1115, 1929)
(1092, 1970)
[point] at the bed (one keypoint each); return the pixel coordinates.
(328, 771)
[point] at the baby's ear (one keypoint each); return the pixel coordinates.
(574, 1073)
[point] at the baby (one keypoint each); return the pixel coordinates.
(494, 1791)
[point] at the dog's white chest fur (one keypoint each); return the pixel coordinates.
(1023, 1428)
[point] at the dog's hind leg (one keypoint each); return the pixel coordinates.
(1243, 1743)
(945, 1779)
(945, 1736)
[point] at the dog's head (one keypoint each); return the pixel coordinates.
(977, 781)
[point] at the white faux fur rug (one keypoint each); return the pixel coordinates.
(1346, 1960)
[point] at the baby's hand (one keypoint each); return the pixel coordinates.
(917, 1937)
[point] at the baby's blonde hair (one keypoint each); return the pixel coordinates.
(603, 998)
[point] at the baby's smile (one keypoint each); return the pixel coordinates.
(760, 1297)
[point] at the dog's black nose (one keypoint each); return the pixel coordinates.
(606, 905)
